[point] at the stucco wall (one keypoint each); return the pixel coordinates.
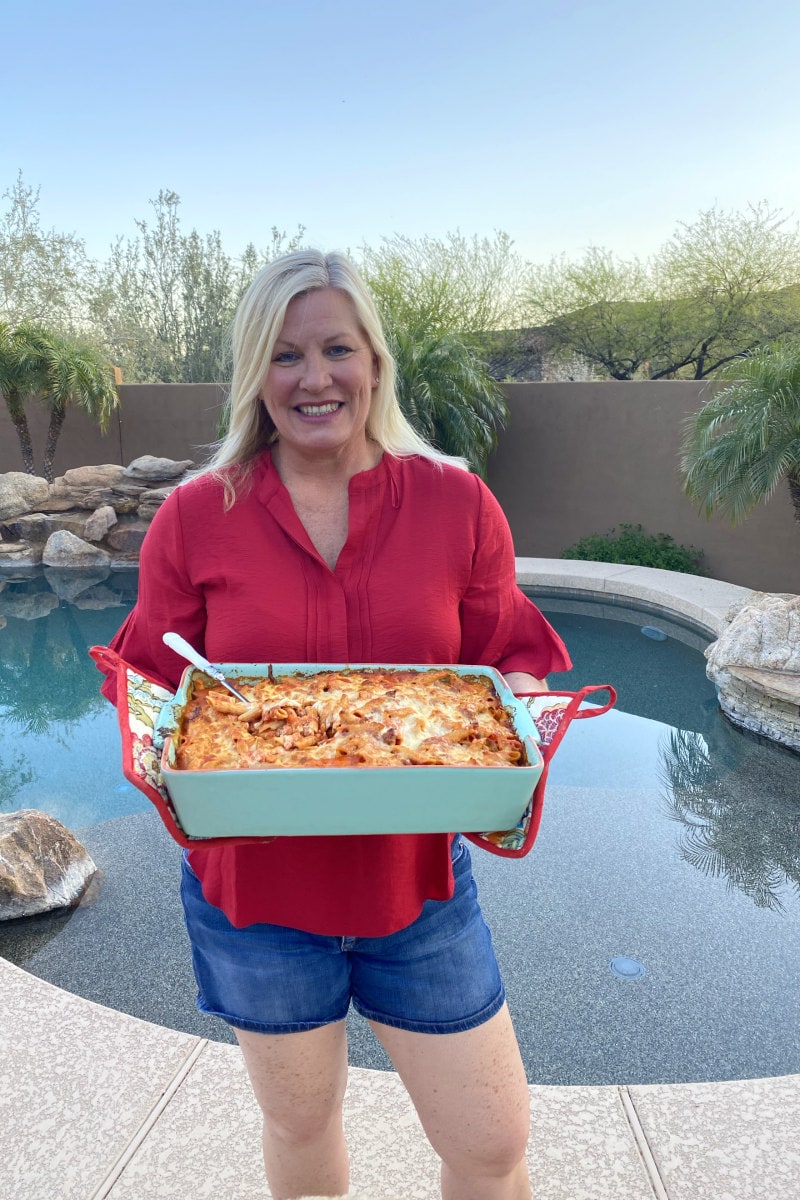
(581, 458)
(575, 459)
(173, 420)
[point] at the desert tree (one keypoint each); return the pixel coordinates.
(454, 284)
(720, 286)
(603, 310)
(44, 275)
(734, 278)
(163, 300)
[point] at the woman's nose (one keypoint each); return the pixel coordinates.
(316, 374)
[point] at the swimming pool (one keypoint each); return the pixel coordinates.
(669, 839)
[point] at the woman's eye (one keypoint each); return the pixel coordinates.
(338, 351)
(285, 356)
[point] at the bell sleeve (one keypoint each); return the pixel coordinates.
(500, 626)
(167, 600)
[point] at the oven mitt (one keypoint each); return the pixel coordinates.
(552, 714)
(139, 703)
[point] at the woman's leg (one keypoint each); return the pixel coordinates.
(472, 1098)
(299, 1080)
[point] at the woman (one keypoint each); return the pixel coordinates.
(326, 530)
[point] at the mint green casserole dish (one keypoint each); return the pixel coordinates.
(303, 801)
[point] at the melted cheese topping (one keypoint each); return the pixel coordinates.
(350, 718)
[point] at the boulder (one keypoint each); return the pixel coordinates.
(157, 469)
(21, 493)
(96, 498)
(151, 500)
(127, 539)
(64, 549)
(32, 527)
(19, 552)
(62, 497)
(37, 527)
(130, 490)
(62, 502)
(125, 505)
(755, 667)
(156, 495)
(99, 523)
(104, 475)
(42, 865)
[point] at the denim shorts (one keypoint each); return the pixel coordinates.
(438, 975)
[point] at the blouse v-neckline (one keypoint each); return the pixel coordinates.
(366, 490)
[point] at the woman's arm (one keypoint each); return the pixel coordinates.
(519, 681)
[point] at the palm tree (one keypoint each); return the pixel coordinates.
(447, 394)
(73, 372)
(35, 361)
(19, 377)
(746, 439)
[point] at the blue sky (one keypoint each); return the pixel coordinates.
(564, 123)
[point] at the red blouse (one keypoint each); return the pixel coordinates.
(427, 575)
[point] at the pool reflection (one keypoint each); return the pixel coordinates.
(741, 819)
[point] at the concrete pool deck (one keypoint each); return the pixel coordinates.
(95, 1103)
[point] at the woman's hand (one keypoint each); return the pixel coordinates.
(519, 681)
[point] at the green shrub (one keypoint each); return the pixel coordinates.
(639, 549)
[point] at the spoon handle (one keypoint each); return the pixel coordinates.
(182, 647)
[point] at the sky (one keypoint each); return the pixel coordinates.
(563, 124)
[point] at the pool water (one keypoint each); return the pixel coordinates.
(653, 934)
(59, 741)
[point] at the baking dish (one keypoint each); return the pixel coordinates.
(307, 801)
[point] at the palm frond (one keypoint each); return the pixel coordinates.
(447, 394)
(746, 439)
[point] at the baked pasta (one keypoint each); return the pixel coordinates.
(374, 717)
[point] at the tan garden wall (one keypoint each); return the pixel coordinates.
(172, 420)
(576, 458)
(580, 458)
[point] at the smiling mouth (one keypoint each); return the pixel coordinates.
(319, 410)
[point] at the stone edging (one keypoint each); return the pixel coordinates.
(93, 516)
(703, 602)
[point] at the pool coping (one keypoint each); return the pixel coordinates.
(704, 603)
(99, 1104)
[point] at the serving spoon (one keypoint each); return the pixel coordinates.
(182, 647)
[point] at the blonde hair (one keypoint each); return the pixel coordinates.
(256, 327)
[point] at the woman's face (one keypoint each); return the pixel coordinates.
(319, 384)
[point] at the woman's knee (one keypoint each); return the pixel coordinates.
(299, 1081)
(488, 1155)
(300, 1116)
(470, 1092)
(303, 1126)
